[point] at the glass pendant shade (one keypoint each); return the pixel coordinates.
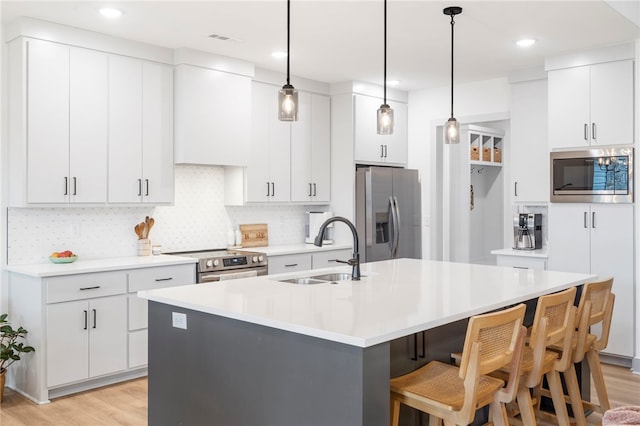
(452, 131)
(385, 120)
(288, 103)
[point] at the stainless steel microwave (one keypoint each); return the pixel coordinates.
(602, 175)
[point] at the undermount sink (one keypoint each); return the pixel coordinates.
(304, 281)
(332, 278)
(338, 276)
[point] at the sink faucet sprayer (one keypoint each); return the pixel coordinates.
(355, 261)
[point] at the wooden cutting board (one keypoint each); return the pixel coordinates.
(255, 235)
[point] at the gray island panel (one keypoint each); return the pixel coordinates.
(221, 371)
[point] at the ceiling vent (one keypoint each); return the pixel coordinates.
(223, 37)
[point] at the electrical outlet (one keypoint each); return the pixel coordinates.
(179, 320)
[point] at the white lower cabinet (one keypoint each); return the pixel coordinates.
(86, 338)
(306, 261)
(89, 329)
(598, 239)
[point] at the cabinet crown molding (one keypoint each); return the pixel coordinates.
(617, 52)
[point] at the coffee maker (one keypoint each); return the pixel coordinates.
(527, 231)
(311, 228)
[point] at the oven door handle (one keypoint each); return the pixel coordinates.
(204, 278)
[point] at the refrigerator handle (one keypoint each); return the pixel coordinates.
(396, 226)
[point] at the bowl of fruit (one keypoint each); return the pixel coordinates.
(66, 256)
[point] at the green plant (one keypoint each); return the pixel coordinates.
(10, 348)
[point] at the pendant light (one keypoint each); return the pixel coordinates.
(451, 127)
(385, 113)
(288, 95)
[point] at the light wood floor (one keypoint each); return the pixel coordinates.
(126, 403)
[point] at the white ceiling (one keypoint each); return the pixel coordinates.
(334, 41)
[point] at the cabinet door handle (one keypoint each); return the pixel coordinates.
(164, 279)
(381, 151)
(95, 318)
(314, 189)
(586, 132)
(593, 220)
(139, 187)
(585, 220)
(146, 181)
(415, 347)
(310, 187)
(593, 131)
(66, 185)
(423, 354)
(89, 288)
(85, 319)
(268, 194)
(75, 186)
(386, 151)
(273, 189)
(515, 188)
(291, 265)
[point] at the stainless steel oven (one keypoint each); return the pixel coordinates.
(602, 175)
(221, 265)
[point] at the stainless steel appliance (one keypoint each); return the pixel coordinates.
(388, 213)
(527, 231)
(603, 175)
(314, 221)
(219, 265)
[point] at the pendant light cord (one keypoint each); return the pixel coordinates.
(452, 24)
(385, 52)
(288, 37)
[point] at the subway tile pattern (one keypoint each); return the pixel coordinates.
(199, 220)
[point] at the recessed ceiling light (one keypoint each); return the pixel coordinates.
(526, 42)
(279, 54)
(109, 12)
(393, 82)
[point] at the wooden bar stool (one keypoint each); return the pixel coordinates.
(595, 307)
(453, 394)
(553, 324)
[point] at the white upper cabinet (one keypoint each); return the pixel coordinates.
(529, 151)
(213, 116)
(311, 150)
(140, 132)
(372, 148)
(591, 105)
(66, 124)
(268, 173)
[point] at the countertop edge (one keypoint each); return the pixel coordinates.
(43, 270)
(541, 253)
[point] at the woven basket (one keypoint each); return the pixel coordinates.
(486, 154)
(497, 155)
(475, 154)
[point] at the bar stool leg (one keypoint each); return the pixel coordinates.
(557, 395)
(525, 405)
(598, 380)
(573, 389)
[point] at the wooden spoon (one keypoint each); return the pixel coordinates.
(137, 230)
(146, 225)
(150, 225)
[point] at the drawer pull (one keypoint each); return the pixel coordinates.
(291, 265)
(164, 279)
(521, 267)
(89, 288)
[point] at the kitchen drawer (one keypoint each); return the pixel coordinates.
(138, 350)
(85, 286)
(327, 259)
(289, 263)
(522, 262)
(161, 276)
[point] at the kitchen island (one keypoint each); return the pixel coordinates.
(258, 351)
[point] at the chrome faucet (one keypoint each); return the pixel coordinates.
(353, 262)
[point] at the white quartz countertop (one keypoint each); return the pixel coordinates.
(394, 298)
(540, 253)
(82, 266)
(295, 249)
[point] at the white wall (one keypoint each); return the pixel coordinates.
(476, 102)
(198, 220)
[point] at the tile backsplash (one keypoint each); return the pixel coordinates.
(198, 220)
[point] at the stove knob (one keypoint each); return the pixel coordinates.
(260, 258)
(216, 262)
(254, 259)
(209, 263)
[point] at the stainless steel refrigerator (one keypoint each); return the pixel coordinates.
(388, 213)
